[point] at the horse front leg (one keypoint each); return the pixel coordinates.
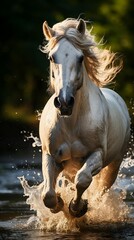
(51, 171)
(83, 178)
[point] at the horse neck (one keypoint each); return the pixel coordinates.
(87, 93)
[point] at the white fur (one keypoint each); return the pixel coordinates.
(92, 140)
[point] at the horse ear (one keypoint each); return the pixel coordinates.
(81, 27)
(48, 32)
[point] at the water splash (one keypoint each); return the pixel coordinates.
(110, 207)
(36, 141)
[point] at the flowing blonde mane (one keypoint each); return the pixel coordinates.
(102, 65)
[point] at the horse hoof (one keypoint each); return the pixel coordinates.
(59, 205)
(50, 200)
(80, 210)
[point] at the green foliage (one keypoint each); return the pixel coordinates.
(25, 70)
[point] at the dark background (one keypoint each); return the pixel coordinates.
(24, 69)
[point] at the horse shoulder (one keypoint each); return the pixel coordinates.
(93, 133)
(118, 112)
(118, 123)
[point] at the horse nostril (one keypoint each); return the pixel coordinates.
(60, 102)
(70, 102)
(57, 103)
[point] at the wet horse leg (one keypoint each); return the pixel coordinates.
(83, 178)
(51, 171)
(108, 176)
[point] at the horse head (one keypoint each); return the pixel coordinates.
(66, 68)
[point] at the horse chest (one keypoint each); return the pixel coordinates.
(70, 151)
(71, 155)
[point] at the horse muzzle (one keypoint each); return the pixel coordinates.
(65, 106)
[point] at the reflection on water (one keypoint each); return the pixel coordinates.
(18, 221)
(110, 232)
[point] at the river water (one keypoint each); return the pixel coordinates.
(109, 217)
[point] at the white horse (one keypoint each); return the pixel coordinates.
(84, 129)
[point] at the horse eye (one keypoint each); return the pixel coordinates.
(81, 59)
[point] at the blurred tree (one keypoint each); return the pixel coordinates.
(116, 23)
